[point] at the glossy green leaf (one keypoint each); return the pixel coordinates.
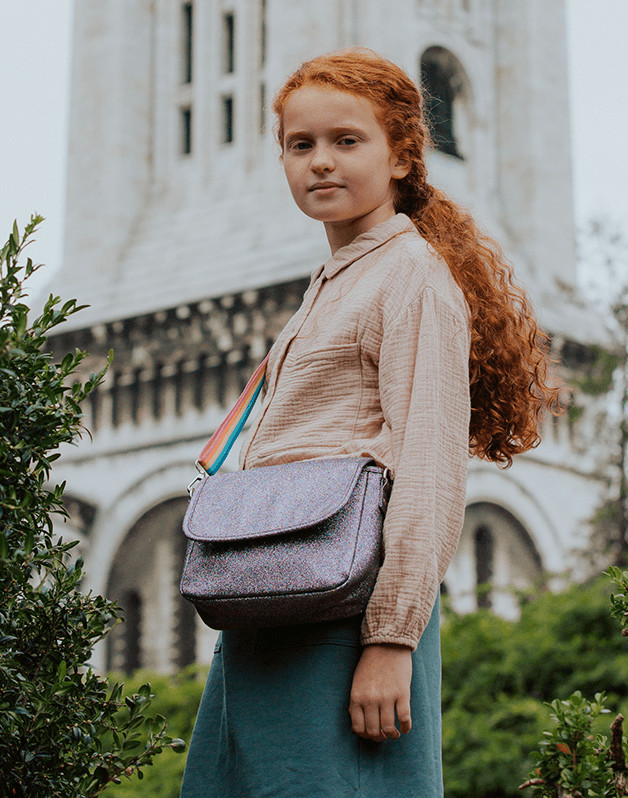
(64, 730)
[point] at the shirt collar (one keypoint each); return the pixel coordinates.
(367, 242)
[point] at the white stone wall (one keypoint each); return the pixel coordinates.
(149, 228)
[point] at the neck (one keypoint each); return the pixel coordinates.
(339, 234)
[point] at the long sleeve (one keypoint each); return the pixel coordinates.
(424, 391)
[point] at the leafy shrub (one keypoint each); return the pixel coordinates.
(619, 601)
(177, 699)
(576, 762)
(65, 732)
(575, 758)
(499, 675)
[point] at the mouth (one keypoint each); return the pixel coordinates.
(324, 186)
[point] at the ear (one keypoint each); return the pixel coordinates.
(401, 166)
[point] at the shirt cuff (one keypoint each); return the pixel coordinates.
(391, 639)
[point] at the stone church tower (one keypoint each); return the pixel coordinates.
(182, 236)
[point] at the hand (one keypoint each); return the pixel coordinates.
(381, 686)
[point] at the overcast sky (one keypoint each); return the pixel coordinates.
(34, 96)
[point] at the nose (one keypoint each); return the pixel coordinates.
(322, 159)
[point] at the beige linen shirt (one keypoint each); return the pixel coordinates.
(375, 363)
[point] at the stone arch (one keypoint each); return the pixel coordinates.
(448, 101)
(486, 483)
(515, 560)
(116, 519)
(159, 629)
(147, 491)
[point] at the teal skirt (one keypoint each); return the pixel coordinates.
(274, 722)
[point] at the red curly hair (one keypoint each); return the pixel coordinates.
(509, 357)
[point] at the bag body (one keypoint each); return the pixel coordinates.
(286, 544)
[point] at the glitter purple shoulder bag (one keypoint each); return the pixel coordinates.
(287, 544)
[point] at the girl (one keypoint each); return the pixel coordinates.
(413, 347)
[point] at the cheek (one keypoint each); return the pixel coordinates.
(296, 173)
(293, 178)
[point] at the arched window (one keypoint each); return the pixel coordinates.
(132, 631)
(446, 96)
(496, 558)
(483, 545)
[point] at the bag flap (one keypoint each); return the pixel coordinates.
(271, 500)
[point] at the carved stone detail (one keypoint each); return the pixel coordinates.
(183, 357)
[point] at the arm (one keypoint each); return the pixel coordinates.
(424, 393)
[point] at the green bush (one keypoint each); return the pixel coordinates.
(65, 732)
(577, 757)
(574, 761)
(499, 675)
(177, 699)
(486, 754)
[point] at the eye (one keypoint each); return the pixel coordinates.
(300, 145)
(347, 141)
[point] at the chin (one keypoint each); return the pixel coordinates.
(321, 216)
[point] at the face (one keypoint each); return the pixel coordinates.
(337, 160)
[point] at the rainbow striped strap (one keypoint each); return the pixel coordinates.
(219, 445)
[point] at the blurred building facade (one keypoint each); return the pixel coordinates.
(183, 238)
